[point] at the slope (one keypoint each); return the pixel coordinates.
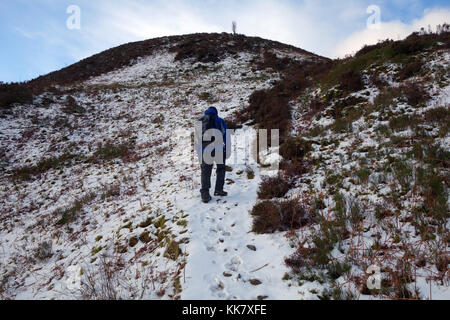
(93, 170)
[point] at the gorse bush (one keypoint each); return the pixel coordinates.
(409, 92)
(351, 81)
(386, 98)
(14, 93)
(378, 81)
(316, 106)
(412, 44)
(440, 115)
(410, 69)
(271, 216)
(266, 217)
(273, 187)
(295, 149)
(343, 126)
(371, 48)
(270, 108)
(294, 168)
(401, 122)
(415, 94)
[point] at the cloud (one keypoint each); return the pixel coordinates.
(314, 25)
(395, 30)
(328, 28)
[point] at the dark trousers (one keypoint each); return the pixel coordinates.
(206, 177)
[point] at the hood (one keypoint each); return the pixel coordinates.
(211, 111)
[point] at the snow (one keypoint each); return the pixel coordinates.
(291, 54)
(121, 105)
(154, 102)
(220, 265)
(349, 155)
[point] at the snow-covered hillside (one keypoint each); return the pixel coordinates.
(94, 169)
(99, 194)
(378, 180)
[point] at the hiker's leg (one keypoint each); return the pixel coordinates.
(221, 171)
(206, 178)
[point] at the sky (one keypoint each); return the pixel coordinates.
(40, 36)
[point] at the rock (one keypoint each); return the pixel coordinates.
(251, 247)
(230, 181)
(255, 282)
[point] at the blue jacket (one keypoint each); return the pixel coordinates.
(222, 126)
(220, 123)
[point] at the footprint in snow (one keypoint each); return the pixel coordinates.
(217, 286)
(234, 264)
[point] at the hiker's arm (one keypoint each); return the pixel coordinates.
(198, 143)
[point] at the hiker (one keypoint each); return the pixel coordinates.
(215, 148)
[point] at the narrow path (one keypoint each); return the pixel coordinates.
(225, 259)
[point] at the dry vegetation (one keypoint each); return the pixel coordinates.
(405, 229)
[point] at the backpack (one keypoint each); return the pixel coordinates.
(208, 122)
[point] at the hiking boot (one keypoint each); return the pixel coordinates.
(220, 193)
(206, 198)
